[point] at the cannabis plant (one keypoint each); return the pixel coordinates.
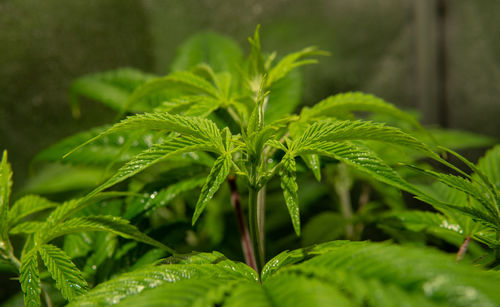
(225, 126)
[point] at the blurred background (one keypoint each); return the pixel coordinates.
(439, 57)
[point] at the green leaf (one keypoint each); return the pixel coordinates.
(26, 227)
(57, 178)
(290, 188)
(284, 97)
(30, 279)
(5, 189)
(338, 105)
(219, 52)
(217, 176)
(489, 164)
(292, 61)
(112, 148)
(69, 279)
(314, 164)
(184, 82)
(195, 127)
(173, 145)
(207, 266)
(28, 205)
(194, 105)
(106, 223)
(361, 159)
(112, 88)
(334, 131)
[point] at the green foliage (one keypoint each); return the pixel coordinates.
(336, 273)
(158, 177)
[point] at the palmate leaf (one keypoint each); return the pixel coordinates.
(340, 273)
(216, 177)
(290, 188)
(69, 279)
(112, 88)
(204, 266)
(106, 223)
(5, 189)
(30, 279)
(338, 105)
(28, 205)
(470, 188)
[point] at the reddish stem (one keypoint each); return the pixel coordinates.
(463, 248)
(246, 242)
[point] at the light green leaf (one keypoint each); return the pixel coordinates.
(290, 188)
(339, 104)
(5, 189)
(194, 127)
(30, 279)
(339, 130)
(489, 164)
(217, 176)
(292, 61)
(28, 205)
(173, 145)
(106, 223)
(69, 279)
(314, 164)
(26, 227)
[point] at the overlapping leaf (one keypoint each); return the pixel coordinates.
(30, 279)
(69, 279)
(290, 188)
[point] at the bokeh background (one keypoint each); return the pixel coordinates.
(440, 57)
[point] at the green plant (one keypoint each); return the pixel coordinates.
(221, 118)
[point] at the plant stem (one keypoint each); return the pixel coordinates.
(246, 243)
(463, 248)
(261, 217)
(253, 197)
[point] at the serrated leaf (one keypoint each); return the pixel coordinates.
(152, 276)
(290, 188)
(217, 176)
(355, 101)
(28, 205)
(292, 61)
(26, 227)
(106, 223)
(339, 130)
(173, 145)
(195, 105)
(195, 127)
(112, 88)
(361, 159)
(489, 164)
(30, 279)
(69, 279)
(164, 196)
